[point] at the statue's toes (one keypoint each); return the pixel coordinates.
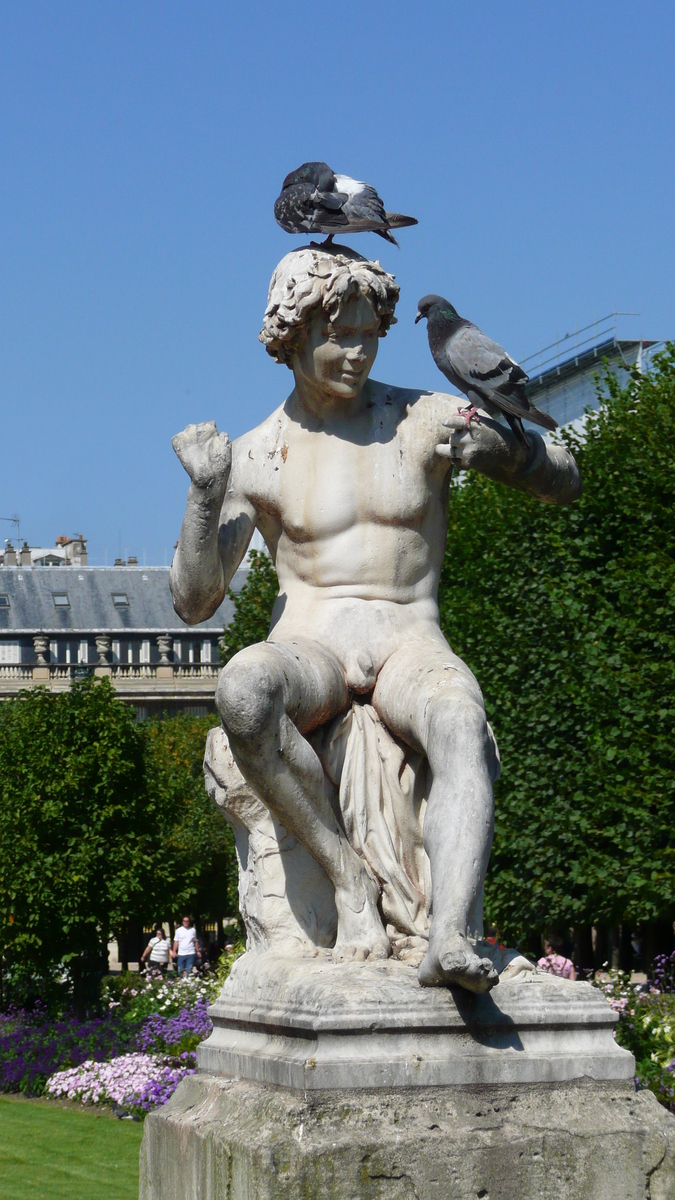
(481, 975)
(380, 952)
(348, 953)
(456, 968)
(360, 952)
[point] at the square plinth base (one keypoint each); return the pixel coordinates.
(316, 1025)
(220, 1139)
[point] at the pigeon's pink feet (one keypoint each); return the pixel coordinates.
(468, 414)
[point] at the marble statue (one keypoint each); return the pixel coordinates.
(355, 760)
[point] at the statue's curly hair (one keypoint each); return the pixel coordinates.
(313, 278)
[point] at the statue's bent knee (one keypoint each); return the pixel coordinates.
(247, 697)
(459, 724)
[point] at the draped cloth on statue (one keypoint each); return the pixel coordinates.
(381, 786)
(378, 789)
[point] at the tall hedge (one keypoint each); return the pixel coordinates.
(196, 858)
(75, 834)
(567, 617)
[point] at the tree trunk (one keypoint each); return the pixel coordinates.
(614, 956)
(583, 949)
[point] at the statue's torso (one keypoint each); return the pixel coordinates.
(357, 515)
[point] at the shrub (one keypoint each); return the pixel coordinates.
(567, 617)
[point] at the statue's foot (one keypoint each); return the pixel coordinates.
(457, 964)
(360, 935)
(410, 950)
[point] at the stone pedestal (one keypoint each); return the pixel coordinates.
(312, 1023)
(350, 1081)
(220, 1139)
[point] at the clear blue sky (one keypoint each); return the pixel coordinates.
(144, 142)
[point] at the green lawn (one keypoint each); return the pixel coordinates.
(54, 1153)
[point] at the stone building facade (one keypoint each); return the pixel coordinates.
(62, 621)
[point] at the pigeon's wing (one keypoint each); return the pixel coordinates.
(476, 358)
(487, 369)
(329, 210)
(363, 202)
(303, 208)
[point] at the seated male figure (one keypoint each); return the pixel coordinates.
(348, 483)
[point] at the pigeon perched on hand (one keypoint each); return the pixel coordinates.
(478, 367)
(315, 200)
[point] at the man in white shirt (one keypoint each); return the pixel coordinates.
(185, 948)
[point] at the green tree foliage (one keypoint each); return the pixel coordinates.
(252, 606)
(195, 855)
(566, 617)
(74, 829)
(103, 823)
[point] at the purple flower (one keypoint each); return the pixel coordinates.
(32, 1047)
(137, 1081)
(181, 1032)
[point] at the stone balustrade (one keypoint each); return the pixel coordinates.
(135, 681)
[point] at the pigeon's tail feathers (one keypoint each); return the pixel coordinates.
(399, 221)
(388, 237)
(521, 408)
(517, 428)
(540, 418)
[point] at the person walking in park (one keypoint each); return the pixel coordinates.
(185, 947)
(158, 950)
(555, 962)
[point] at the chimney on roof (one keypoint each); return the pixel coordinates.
(132, 561)
(10, 555)
(25, 555)
(119, 562)
(74, 549)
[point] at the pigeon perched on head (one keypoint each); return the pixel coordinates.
(315, 200)
(478, 367)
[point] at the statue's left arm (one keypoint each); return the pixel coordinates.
(542, 469)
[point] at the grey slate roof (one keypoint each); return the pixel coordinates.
(91, 608)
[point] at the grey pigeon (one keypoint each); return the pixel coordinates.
(479, 367)
(315, 200)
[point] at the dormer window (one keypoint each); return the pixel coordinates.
(61, 599)
(4, 600)
(120, 599)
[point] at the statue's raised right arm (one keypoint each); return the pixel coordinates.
(216, 528)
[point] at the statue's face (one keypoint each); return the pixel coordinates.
(337, 356)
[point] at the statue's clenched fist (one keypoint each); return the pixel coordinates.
(206, 456)
(468, 443)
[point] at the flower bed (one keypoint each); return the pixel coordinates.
(177, 1034)
(135, 1056)
(647, 1024)
(137, 1082)
(33, 1046)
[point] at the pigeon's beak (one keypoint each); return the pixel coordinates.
(419, 317)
